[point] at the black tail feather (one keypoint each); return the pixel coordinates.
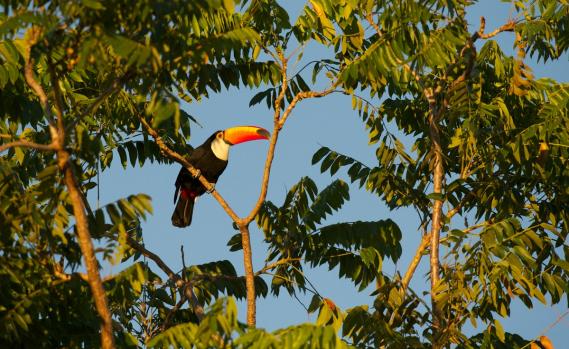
(182, 216)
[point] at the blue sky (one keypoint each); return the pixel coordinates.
(328, 121)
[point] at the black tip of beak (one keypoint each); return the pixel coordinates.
(263, 133)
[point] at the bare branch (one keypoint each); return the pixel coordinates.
(243, 223)
(249, 275)
(148, 254)
(415, 262)
(284, 87)
(273, 141)
(266, 176)
(436, 220)
(67, 277)
(33, 37)
(508, 27)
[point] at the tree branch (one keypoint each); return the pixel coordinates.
(63, 159)
(26, 144)
(32, 37)
(244, 223)
(87, 250)
(438, 176)
(249, 276)
(171, 313)
(508, 27)
(276, 264)
(279, 123)
(187, 291)
(425, 240)
(436, 220)
(272, 143)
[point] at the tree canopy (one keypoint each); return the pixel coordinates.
(464, 134)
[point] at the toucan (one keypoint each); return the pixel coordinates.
(210, 159)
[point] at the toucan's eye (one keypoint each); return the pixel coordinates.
(220, 135)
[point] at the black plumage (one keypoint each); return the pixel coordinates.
(189, 188)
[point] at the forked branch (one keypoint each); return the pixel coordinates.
(243, 223)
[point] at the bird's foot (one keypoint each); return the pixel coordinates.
(211, 189)
(198, 173)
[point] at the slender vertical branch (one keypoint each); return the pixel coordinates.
(57, 132)
(87, 250)
(273, 141)
(249, 276)
(438, 175)
(436, 218)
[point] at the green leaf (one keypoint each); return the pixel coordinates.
(499, 331)
(320, 153)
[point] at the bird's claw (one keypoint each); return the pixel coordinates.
(211, 189)
(198, 173)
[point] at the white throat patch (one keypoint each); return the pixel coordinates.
(220, 149)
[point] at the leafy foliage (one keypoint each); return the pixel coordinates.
(218, 328)
(497, 128)
(406, 64)
(294, 234)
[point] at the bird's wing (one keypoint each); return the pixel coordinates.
(183, 175)
(178, 183)
(197, 154)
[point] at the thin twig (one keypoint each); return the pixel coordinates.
(188, 292)
(171, 313)
(559, 318)
(276, 264)
(183, 262)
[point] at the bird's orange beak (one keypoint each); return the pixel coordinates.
(240, 134)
